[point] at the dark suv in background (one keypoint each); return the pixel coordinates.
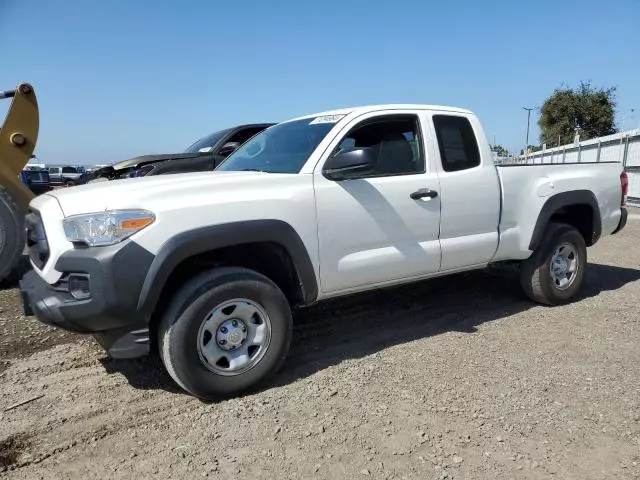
(36, 179)
(204, 154)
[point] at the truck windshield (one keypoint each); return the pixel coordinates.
(282, 148)
(206, 142)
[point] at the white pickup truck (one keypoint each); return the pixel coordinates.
(208, 266)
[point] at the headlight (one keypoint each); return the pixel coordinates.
(106, 228)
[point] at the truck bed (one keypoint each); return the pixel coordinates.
(520, 209)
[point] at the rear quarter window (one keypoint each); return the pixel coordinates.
(457, 143)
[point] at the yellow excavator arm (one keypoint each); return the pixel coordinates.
(18, 136)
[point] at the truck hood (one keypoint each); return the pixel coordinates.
(160, 192)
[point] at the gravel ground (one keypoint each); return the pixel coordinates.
(459, 377)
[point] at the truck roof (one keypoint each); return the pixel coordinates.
(386, 106)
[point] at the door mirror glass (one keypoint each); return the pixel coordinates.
(350, 163)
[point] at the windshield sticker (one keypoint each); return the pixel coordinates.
(326, 119)
(205, 149)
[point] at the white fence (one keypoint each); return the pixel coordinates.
(621, 147)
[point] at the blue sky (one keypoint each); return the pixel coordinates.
(120, 78)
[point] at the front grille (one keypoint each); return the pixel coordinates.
(37, 243)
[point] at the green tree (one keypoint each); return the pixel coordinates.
(500, 150)
(584, 110)
(532, 148)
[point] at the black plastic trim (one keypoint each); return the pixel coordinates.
(566, 199)
(37, 243)
(205, 239)
(125, 342)
(623, 220)
(116, 275)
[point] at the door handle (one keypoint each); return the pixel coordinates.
(423, 193)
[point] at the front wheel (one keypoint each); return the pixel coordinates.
(226, 332)
(556, 270)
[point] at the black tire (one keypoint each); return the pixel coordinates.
(179, 327)
(535, 274)
(12, 234)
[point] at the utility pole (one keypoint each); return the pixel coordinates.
(526, 145)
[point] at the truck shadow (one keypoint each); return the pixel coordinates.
(362, 324)
(356, 327)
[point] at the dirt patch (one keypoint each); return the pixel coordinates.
(20, 336)
(11, 448)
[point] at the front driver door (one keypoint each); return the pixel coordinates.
(370, 230)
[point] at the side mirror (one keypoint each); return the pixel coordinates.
(228, 148)
(350, 163)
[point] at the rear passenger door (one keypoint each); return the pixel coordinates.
(470, 191)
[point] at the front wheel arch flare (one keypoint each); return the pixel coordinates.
(210, 238)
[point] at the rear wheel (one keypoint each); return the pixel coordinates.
(556, 270)
(226, 332)
(12, 235)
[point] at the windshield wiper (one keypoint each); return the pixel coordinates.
(253, 170)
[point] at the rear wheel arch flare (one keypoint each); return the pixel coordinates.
(578, 208)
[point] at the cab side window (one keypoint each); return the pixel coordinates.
(457, 143)
(395, 140)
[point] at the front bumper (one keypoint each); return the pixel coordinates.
(115, 277)
(623, 220)
(50, 306)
